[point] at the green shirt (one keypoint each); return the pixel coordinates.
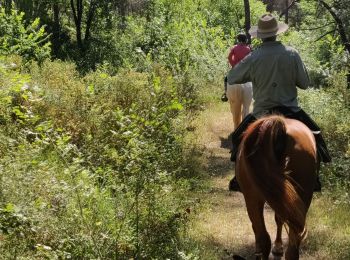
(275, 71)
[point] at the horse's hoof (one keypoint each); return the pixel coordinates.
(233, 185)
(277, 251)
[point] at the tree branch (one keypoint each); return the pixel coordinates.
(316, 28)
(339, 23)
(323, 35)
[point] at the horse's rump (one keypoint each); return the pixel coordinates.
(277, 160)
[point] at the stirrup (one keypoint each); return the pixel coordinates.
(224, 98)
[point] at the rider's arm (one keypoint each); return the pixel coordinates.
(302, 77)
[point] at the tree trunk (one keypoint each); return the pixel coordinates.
(122, 8)
(77, 15)
(285, 12)
(90, 17)
(247, 19)
(56, 29)
(286, 18)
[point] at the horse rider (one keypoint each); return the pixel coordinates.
(237, 53)
(276, 71)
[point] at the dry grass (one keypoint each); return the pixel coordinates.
(222, 228)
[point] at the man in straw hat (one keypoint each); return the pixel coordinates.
(276, 71)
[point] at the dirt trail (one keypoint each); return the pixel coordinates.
(223, 227)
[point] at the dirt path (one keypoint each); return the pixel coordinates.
(222, 227)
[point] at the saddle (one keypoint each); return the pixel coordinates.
(285, 111)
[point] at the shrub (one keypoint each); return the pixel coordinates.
(29, 41)
(90, 166)
(333, 118)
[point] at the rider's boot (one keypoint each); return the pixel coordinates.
(236, 137)
(322, 148)
(317, 187)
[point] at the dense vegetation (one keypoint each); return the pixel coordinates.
(96, 99)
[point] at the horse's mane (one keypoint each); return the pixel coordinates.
(264, 151)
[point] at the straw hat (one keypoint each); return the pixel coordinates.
(267, 27)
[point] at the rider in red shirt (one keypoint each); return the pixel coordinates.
(237, 53)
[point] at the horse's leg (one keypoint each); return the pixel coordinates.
(247, 98)
(277, 249)
(238, 105)
(234, 95)
(292, 252)
(255, 208)
(233, 107)
(237, 117)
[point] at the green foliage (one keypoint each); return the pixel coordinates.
(30, 41)
(329, 110)
(91, 166)
(319, 32)
(92, 153)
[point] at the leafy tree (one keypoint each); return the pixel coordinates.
(339, 13)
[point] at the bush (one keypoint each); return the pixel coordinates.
(333, 118)
(90, 166)
(29, 41)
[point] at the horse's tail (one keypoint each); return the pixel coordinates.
(264, 147)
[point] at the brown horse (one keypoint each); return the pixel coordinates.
(277, 163)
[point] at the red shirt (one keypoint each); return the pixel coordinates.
(237, 53)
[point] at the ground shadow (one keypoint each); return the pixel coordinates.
(226, 142)
(219, 164)
(240, 252)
